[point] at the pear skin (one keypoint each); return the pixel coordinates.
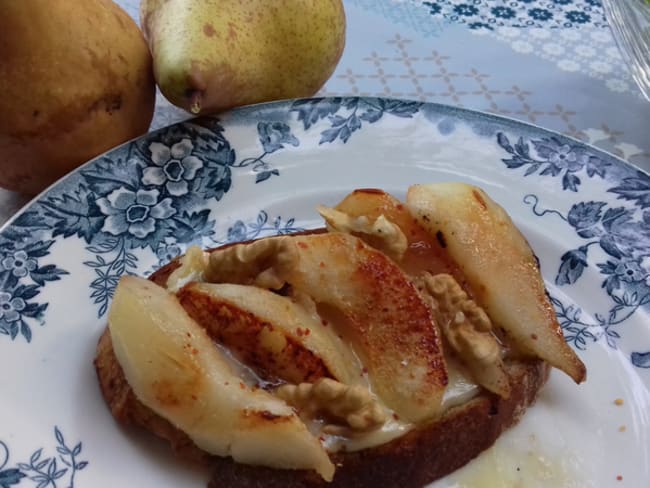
(211, 55)
(76, 80)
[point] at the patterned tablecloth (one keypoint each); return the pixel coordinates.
(553, 63)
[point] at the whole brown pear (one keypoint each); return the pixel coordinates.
(76, 79)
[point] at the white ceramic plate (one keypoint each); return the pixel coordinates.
(262, 170)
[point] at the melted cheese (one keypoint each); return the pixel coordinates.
(389, 431)
(459, 390)
(192, 268)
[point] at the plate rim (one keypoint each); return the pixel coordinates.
(237, 111)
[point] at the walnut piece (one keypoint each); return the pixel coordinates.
(468, 330)
(393, 239)
(346, 408)
(251, 263)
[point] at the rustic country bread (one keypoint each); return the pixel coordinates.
(415, 459)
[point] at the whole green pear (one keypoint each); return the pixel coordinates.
(211, 55)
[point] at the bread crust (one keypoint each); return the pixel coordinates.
(415, 459)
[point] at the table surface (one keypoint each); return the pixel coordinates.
(553, 63)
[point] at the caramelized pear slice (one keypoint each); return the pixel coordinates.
(383, 316)
(424, 253)
(272, 334)
(175, 369)
(499, 266)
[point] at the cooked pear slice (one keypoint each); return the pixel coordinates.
(424, 253)
(380, 311)
(499, 266)
(272, 334)
(175, 369)
(428, 262)
(390, 325)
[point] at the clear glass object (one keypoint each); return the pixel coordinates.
(630, 23)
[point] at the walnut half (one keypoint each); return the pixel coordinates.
(345, 408)
(388, 235)
(468, 331)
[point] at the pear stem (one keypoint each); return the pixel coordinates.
(195, 101)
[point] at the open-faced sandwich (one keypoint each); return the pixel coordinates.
(388, 348)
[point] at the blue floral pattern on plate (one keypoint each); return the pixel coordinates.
(347, 115)
(488, 14)
(145, 195)
(622, 234)
(247, 173)
(43, 470)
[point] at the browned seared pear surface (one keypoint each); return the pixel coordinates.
(377, 218)
(424, 253)
(76, 80)
(270, 333)
(379, 309)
